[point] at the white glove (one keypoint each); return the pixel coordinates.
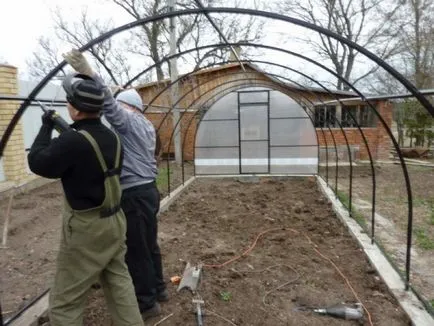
(78, 61)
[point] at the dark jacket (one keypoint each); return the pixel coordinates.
(72, 158)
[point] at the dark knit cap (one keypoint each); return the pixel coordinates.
(83, 92)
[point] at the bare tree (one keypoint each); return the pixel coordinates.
(152, 38)
(360, 21)
(110, 61)
(192, 31)
(416, 36)
(148, 41)
(83, 31)
(44, 59)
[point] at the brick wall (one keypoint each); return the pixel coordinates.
(14, 166)
(377, 138)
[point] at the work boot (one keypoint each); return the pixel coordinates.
(163, 296)
(154, 311)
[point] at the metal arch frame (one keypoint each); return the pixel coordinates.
(381, 63)
(319, 100)
(384, 65)
(310, 60)
(316, 63)
(384, 124)
(169, 84)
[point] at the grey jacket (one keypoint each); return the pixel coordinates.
(138, 139)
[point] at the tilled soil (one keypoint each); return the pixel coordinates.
(212, 223)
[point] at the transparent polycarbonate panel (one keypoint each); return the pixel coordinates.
(253, 97)
(217, 161)
(297, 160)
(253, 122)
(282, 106)
(217, 133)
(254, 157)
(292, 132)
(224, 108)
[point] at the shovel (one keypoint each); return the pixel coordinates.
(191, 277)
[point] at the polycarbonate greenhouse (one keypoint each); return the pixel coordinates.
(256, 131)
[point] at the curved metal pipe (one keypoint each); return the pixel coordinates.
(367, 53)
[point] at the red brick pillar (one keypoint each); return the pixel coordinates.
(384, 142)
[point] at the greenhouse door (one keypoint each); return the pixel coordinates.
(253, 113)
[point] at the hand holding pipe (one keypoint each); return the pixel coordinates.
(59, 123)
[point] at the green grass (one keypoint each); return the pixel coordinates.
(162, 178)
(417, 202)
(432, 303)
(431, 215)
(356, 215)
(225, 296)
(423, 239)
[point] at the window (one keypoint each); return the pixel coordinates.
(361, 113)
(366, 116)
(349, 114)
(325, 116)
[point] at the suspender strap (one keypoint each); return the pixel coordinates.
(107, 173)
(110, 192)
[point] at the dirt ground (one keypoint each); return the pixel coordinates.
(211, 223)
(392, 205)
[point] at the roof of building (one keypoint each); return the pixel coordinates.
(254, 67)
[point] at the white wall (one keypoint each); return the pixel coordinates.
(31, 118)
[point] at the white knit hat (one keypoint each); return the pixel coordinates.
(131, 97)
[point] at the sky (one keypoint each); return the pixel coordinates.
(36, 20)
(22, 22)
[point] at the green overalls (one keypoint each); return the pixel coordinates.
(93, 246)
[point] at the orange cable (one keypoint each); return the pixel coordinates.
(248, 250)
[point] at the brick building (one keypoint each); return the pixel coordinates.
(207, 86)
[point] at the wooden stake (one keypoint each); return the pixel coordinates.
(7, 218)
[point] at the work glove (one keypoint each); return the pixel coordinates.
(47, 118)
(78, 61)
(116, 89)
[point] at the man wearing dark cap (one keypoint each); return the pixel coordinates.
(140, 196)
(88, 160)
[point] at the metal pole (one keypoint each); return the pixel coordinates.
(174, 94)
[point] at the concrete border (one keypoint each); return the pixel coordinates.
(412, 306)
(168, 200)
(253, 175)
(7, 187)
(30, 316)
